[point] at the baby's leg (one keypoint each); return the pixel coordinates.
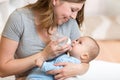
(37, 74)
(41, 76)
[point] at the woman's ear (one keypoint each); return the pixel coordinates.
(84, 56)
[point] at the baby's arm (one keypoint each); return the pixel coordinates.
(49, 66)
(67, 58)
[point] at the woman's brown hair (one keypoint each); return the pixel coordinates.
(80, 15)
(47, 14)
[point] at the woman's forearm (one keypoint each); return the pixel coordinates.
(17, 66)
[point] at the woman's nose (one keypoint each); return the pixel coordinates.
(73, 15)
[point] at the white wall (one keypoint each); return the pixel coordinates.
(7, 7)
(3, 13)
(92, 8)
(102, 7)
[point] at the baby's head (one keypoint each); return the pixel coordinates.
(85, 49)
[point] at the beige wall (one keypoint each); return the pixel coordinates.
(102, 27)
(98, 20)
(102, 7)
(102, 19)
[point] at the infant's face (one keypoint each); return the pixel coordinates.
(77, 48)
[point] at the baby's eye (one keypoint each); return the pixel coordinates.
(76, 39)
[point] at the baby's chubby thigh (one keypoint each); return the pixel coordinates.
(37, 74)
(41, 76)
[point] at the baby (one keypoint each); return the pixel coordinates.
(83, 50)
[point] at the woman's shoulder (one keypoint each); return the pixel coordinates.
(71, 22)
(23, 12)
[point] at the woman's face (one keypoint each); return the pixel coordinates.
(65, 10)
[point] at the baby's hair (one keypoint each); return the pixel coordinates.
(93, 49)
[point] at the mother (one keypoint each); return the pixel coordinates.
(26, 37)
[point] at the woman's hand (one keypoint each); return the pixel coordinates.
(53, 49)
(68, 70)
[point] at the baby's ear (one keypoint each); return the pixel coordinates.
(84, 56)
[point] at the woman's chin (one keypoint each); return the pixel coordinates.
(61, 22)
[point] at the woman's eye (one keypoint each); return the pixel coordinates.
(72, 10)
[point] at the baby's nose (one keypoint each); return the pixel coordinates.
(73, 42)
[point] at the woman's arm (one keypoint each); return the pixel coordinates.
(69, 70)
(9, 65)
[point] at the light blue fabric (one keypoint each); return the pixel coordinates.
(41, 73)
